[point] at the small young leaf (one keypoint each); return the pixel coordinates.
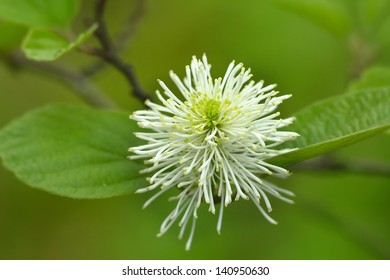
(336, 122)
(73, 151)
(45, 45)
(39, 13)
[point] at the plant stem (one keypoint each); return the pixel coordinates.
(123, 38)
(108, 53)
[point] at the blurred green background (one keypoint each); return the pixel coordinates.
(337, 215)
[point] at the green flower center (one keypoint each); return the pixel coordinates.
(211, 109)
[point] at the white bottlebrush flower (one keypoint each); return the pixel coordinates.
(211, 143)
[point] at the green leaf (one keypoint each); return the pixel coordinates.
(45, 45)
(378, 76)
(39, 13)
(330, 15)
(337, 122)
(73, 151)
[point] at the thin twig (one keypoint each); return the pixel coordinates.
(108, 52)
(354, 166)
(123, 38)
(77, 81)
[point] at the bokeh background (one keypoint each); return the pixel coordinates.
(337, 215)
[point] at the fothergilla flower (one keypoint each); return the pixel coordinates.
(212, 143)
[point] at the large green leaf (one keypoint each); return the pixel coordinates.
(39, 13)
(73, 151)
(336, 122)
(45, 45)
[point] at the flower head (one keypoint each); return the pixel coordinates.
(212, 142)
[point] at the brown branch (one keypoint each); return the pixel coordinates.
(123, 38)
(77, 81)
(108, 53)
